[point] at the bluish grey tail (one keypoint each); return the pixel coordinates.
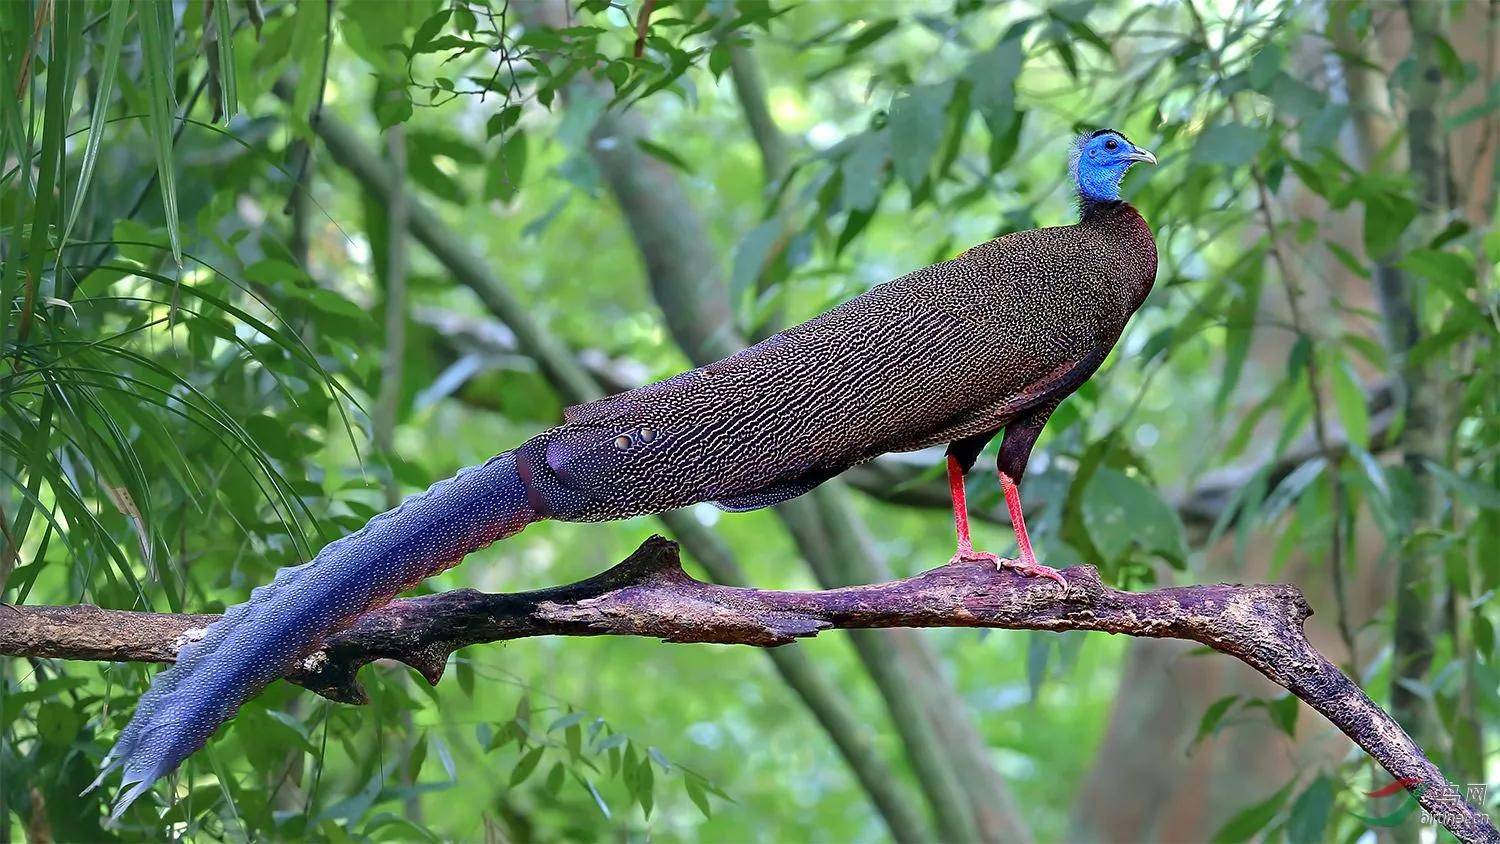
(254, 643)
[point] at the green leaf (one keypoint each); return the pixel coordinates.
(598, 798)
(861, 168)
(1228, 144)
(66, 45)
(555, 778)
(664, 155)
(1483, 633)
(114, 39)
(646, 793)
(1386, 217)
(916, 129)
(1213, 716)
(719, 59)
(57, 723)
(1353, 409)
(1474, 494)
(752, 255)
(1297, 98)
(1321, 131)
(1122, 513)
(1038, 653)
(310, 34)
(1451, 273)
(696, 794)
(1265, 65)
(566, 721)
(503, 175)
(429, 30)
(1347, 258)
(869, 35)
(1238, 329)
(157, 33)
(463, 669)
(1244, 826)
(992, 75)
(525, 766)
(392, 106)
(1003, 145)
(523, 711)
(1310, 812)
(1283, 711)
(501, 121)
(228, 82)
(418, 757)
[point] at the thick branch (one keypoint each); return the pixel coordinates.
(650, 595)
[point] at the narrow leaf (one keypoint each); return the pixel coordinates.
(224, 35)
(114, 39)
(157, 28)
(524, 767)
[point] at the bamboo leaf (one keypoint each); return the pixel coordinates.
(157, 36)
(114, 39)
(224, 36)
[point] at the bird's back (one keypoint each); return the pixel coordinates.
(947, 351)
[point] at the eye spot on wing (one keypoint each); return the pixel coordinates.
(646, 435)
(622, 442)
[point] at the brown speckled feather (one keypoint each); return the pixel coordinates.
(950, 351)
(993, 338)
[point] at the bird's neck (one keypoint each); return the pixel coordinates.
(1093, 210)
(1122, 225)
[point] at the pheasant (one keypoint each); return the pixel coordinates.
(992, 340)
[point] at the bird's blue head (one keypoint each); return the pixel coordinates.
(1100, 160)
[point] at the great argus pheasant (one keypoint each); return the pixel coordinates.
(992, 340)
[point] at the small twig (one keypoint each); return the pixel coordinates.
(643, 27)
(43, 11)
(650, 595)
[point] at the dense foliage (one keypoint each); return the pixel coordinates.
(226, 342)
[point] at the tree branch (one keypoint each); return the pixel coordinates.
(649, 594)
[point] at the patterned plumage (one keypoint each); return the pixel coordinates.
(953, 353)
(950, 351)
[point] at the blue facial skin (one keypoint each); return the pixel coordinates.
(1102, 160)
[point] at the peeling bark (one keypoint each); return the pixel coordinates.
(650, 595)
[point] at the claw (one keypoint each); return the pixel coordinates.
(969, 555)
(1035, 569)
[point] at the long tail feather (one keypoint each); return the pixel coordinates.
(255, 642)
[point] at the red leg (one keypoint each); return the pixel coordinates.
(961, 516)
(1027, 565)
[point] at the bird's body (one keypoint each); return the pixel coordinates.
(953, 353)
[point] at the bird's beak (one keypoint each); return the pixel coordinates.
(1143, 155)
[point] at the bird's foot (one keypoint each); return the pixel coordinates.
(969, 555)
(1032, 568)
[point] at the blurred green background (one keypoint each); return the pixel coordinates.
(270, 266)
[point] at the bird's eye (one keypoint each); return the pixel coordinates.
(1111, 144)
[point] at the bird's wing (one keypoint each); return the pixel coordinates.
(925, 356)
